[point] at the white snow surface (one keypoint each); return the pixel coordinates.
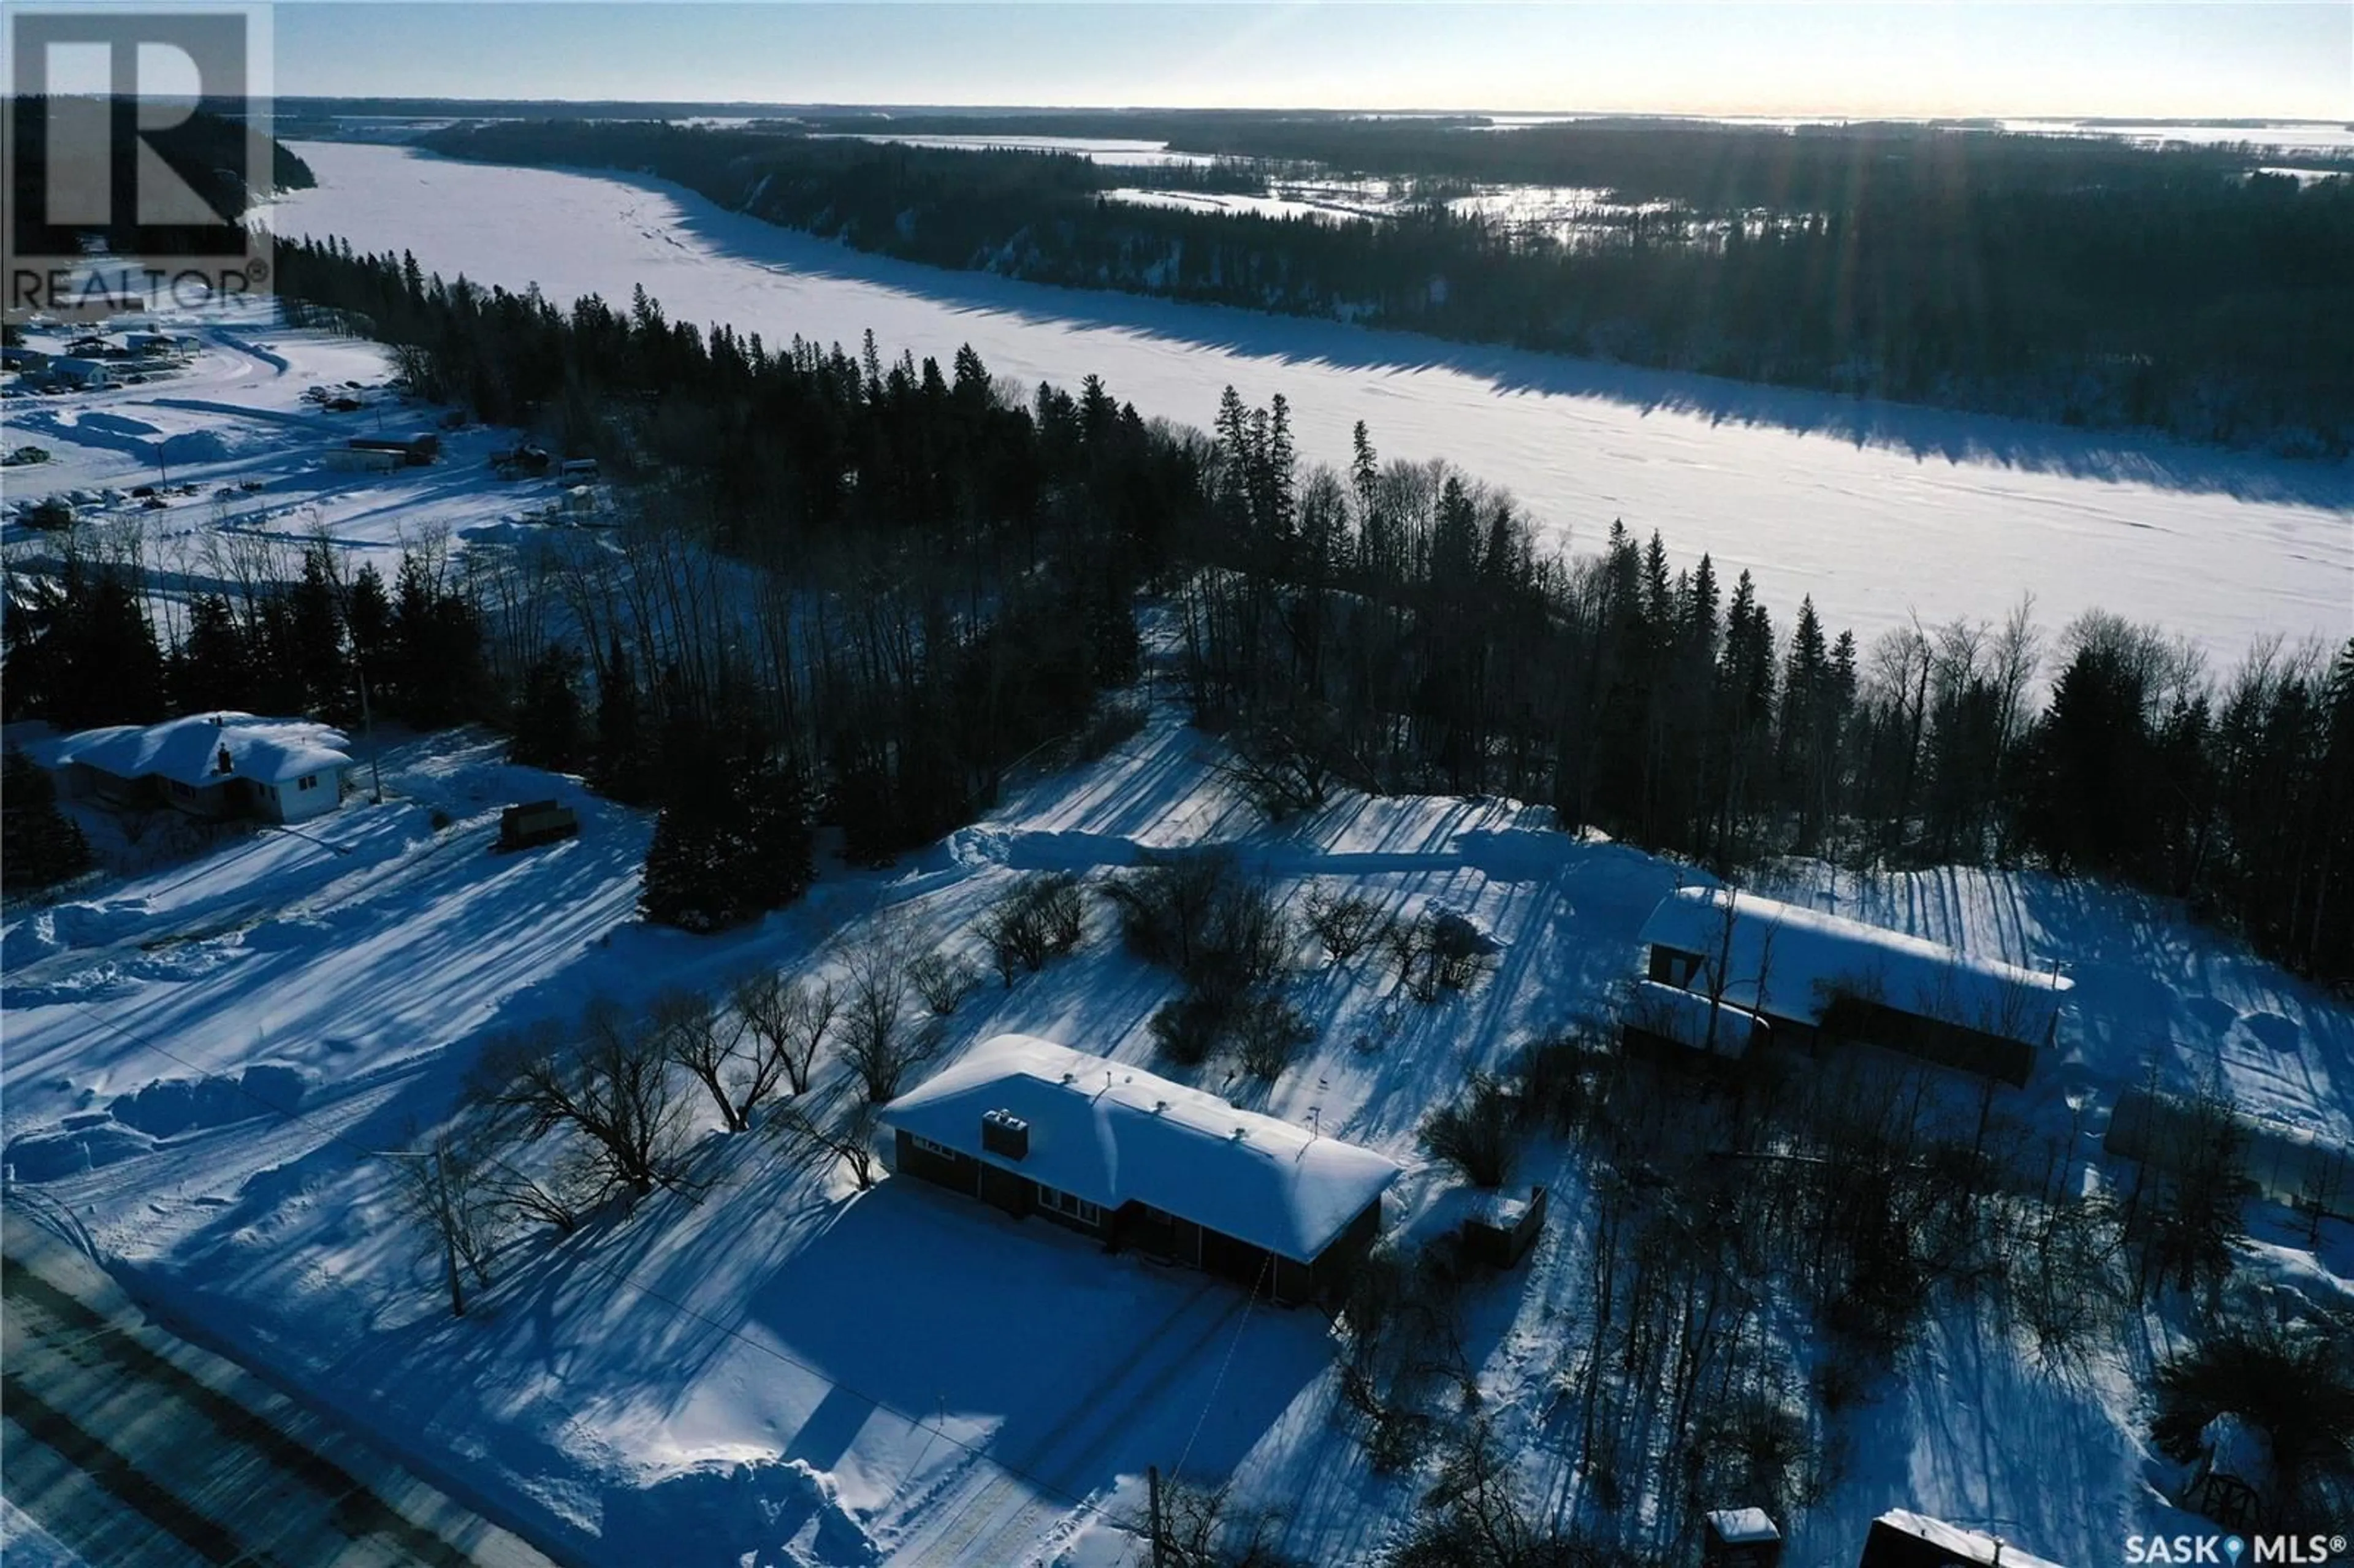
(1112, 1136)
(188, 750)
(781, 1368)
(1881, 511)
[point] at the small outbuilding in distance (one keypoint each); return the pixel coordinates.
(1035, 1128)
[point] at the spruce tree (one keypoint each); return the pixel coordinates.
(547, 721)
(620, 770)
(43, 846)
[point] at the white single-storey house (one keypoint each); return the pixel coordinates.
(208, 764)
(1819, 980)
(1032, 1127)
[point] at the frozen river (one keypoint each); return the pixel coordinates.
(1879, 512)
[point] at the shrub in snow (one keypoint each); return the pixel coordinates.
(1268, 1033)
(1345, 923)
(1198, 915)
(1038, 919)
(2292, 1383)
(1191, 1030)
(1477, 1134)
(943, 980)
(1439, 952)
(1559, 1080)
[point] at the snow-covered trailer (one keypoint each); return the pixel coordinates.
(364, 460)
(535, 822)
(1138, 1161)
(1823, 982)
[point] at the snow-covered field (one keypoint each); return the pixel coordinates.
(1880, 511)
(788, 1368)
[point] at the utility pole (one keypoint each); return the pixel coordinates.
(446, 1222)
(1152, 1480)
(367, 729)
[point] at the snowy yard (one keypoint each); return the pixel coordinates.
(784, 1367)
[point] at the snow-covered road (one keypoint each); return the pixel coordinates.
(1879, 512)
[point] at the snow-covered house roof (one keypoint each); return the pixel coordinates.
(188, 750)
(1684, 1017)
(1962, 1545)
(1808, 957)
(1113, 1133)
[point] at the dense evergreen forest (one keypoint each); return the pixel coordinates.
(860, 591)
(2076, 279)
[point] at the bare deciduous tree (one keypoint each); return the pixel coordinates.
(881, 1037)
(845, 1136)
(611, 1084)
(704, 1040)
(1346, 923)
(790, 1019)
(943, 980)
(450, 1190)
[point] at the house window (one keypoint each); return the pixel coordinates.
(308, 782)
(1064, 1203)
(1673, 966)
(939, 1151)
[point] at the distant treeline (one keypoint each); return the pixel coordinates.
(209, 149)
(2076, 279)
(867, 589)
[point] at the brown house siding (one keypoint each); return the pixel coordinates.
(1133, 1225)
(959, 1172)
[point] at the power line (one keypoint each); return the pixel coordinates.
(613, 1271)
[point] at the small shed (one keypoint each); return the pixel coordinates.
(1500, 1230)
(536, 822)
(1739, 1537)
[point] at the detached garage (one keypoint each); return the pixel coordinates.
(1034, 1128)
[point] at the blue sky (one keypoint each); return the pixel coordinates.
(2239, 60)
